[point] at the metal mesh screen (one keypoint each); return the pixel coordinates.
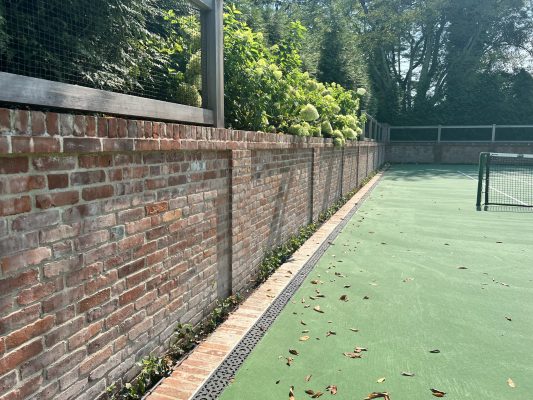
(146, 48)
(506, 179)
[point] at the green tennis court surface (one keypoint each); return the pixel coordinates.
(438, 275)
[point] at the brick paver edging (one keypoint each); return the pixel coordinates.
(189, 377)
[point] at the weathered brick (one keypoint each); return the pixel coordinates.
(57, 181)
(42, 361)
(102, 127)
(12, 360)
(100, 282)
(7, 382)
(16, 338)
(5, 120)
(54, 163)
(59, 233)
(14, 283)
(82, 145)
(131, 295)
(52, 123)
(36, 220)
(66, 123)
(15, 206)
(118, 316)
(98, 192)
(21, 122)
(13, 165)
(46, 145)
(45, 201)
(90, 129)
(25, 390)
(95, 161)
(95, 359)
(94, 300)
(79, 126)
(156, 208)
(67, 363)
(19, 318)
(63, 299)
(129, 269)
(22, 260)
(86, 241)
(87, 177)
(84, 335)
(21, 184)
(37, 292)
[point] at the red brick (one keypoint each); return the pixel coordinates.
(83, 274)
(5, 120)
(122, 144)
(52, 123)
(23, 392)
(95, 161)
(84, 335)
(99, 192)
(38, 125)
(25, 259)
(12, 360)
(68, 363)
(62, 266)
(15, 339)
(102, 127)
(122, 128)
(93, 361)
(100, 282)
(82, 145)
(46, 145)
(37, 292)
(19, 318)
(27, 278)
(112, 130)
(21, 184)
(15, 206)
(94, 300)
(4, 144)
(21, 122)
(13, 165)
(156, 208)
(45, 201)
(87, 177)
(63, 299)
(21, 144)
(131, 295)
(42, 361)
(118, 316)
(130, 242)
(58, 181)
(8, 381)
(54, 163)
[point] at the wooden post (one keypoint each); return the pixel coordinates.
(211, 15)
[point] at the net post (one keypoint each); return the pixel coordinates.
(487, 174)
(482, 157)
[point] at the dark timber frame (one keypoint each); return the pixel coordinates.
(41, 92)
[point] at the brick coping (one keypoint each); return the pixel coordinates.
(194, 371)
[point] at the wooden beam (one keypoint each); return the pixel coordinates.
(34, 91)
(203, 4)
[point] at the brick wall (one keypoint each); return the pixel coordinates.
(112, 231)
(450, 153)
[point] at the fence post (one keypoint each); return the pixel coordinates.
(213, 58)
(439, 134)
(493, 133)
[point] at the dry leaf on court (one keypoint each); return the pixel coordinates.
(332, 389)
(378, 395)
(310, 392)
(360, 349)
(302, 322)
(380, 380)
(291, 393)
(329, 333)
(344, 297)
(366, 298)
(407, 374)
(317, 309)
(435, 351)
(294, 352)
(289, 360)
(317, 395)
(315, 281)
(308, 378)
(354, 329)
(511, 383)
(508, 318)
(437, 393)
(352, 355)
(304, 338)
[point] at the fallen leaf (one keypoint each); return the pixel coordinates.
(461, 267)
(310, 392)
(303, 300)
(352, 355)
(354, 329)
(289, 360)
(302, 322)
(380, 380)
(511, 383)
(317, 309)
(305, 331)
(317, 395)
(315, 281)
(320, 295)
(435, 351)
(277, 382)
(408, 279)
(307, 306)
(291, 393)
(508, 318)
(304, 338)
(329, 333)
(347, 286)
(438, 393)
(339, 274)
(308, 378)
(377, 395)
(360, 349)
(294, 352)
(344, 297)
(312, 298)
(373, 284)
(408, 374)
(366, 298)
(332, 389)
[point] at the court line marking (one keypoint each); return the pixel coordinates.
(496, 190)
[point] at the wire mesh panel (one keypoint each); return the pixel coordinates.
(412, 134)
(146, 48)
(505, 179)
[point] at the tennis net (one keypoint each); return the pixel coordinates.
(505, 179)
